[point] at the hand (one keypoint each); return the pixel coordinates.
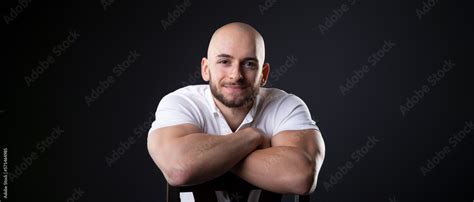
(266, 143)
(262, 138)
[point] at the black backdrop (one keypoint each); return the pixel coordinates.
(77, 123)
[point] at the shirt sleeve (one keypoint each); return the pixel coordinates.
(293, 114)
(174, 109)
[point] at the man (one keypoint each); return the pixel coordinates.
(263, 135)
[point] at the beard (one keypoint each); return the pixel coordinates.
(248, 98)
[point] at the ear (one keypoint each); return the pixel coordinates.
(204, 69)
(265, 74)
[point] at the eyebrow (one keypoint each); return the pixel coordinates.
(223, 55)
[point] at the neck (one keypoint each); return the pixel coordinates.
(233, 115)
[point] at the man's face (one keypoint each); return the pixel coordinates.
(234, 69)
(234, 81)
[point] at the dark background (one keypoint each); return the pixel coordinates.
(389, 171)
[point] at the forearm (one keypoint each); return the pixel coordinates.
(200, 157)
(281, 169)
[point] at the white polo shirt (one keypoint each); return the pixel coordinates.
(274, 111)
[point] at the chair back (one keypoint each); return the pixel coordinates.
(229, 186)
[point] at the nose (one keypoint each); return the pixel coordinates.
(236, 73)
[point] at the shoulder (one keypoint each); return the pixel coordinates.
(282, 111)
(188, 95)
(191, 90)
(275, 97)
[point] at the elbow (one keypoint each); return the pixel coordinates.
(305, 184)
(177, 177)
(309, 177)
(306, 181)
(174, 172)
(309, 181)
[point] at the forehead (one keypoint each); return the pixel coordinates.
(236, 42)
(238, 47)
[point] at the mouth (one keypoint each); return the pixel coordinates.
(233, 88)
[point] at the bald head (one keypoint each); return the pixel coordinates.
(237, 35)
(235, 66)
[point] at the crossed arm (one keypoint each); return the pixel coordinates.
(290, 166)
(186, 156)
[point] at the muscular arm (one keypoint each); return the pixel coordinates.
(290, 166)
(186, 156)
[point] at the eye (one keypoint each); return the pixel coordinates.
(250, 64)
(223, 62)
